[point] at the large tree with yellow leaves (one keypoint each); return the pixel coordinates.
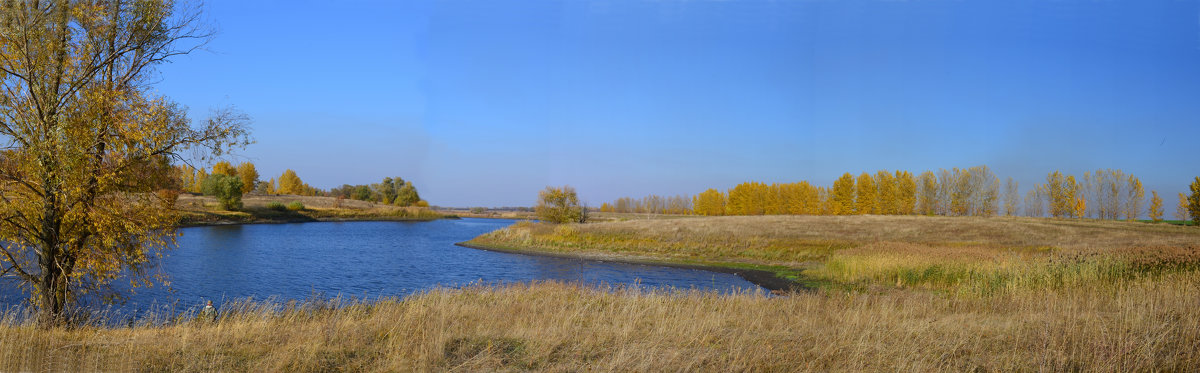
(88, 142)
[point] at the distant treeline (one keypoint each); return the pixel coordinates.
(975, 191)
(392, 191)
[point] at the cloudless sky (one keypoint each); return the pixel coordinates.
(483, 103)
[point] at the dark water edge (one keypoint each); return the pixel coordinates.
(766, 279)
(364, 261)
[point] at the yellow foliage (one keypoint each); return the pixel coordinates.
(249, 176)
(1080, 207)
(290, 183)
(224, 167)
(87, 144)
(1156, 207)
(867, 198)
(711, 202)
(842, 196)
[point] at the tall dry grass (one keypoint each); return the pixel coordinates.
(1148, 325)
(977, 256)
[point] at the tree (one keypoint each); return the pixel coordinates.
(1181, 209)
(1193, 205)
(843, 195)
(885, 187)
(227, 189)
(249, 176)
(89, 142)
(927, 193)
(749, 198)
(198, 182)
(1011, 195)
(710, 202)
(1135, 197)
(906, 189)
(289, 183)
(867, 197)
(558, 205)
(959, 184)
(984, 191)
(388, 189)
(1033, 202)
(1072, 192)
(361, 193)
(1080, 206)
(1156, 207)
(224, 168)
(407, 195)
(1059, 197)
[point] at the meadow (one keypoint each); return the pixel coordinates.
(967, 255)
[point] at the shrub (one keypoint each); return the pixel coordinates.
(227, 189)
(295, 206)
(276, 206)
(558, 205)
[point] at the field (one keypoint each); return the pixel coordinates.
(888, 293)
(203, 210)
(1146, 325)
(958, 254)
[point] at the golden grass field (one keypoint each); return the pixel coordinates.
(960, 254)
(897, 293)
(1145, 326)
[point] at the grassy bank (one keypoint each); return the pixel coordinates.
(1144, 325)
(979, 256)
(204, 210)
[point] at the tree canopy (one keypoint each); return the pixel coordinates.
(88, 142)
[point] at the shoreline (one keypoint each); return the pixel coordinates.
(762, 278)
(215, 223)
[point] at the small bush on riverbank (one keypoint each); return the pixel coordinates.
(295, 206)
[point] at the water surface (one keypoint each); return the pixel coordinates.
(372, 259)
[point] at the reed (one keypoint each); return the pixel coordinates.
(1147, 324)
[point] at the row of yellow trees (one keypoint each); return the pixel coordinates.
(882, 192)
(975, 191)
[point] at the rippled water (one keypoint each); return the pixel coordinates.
(371, 259)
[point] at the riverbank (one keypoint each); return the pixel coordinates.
(1149, 325)
(980, 256)
(203, 210)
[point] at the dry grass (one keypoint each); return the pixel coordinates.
(1007, 295)
(1145, 326)
(966, 255)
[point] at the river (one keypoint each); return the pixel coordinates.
(369, 260)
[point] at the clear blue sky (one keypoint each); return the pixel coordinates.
(483, 103)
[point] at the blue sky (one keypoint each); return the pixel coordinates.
(483, 103)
